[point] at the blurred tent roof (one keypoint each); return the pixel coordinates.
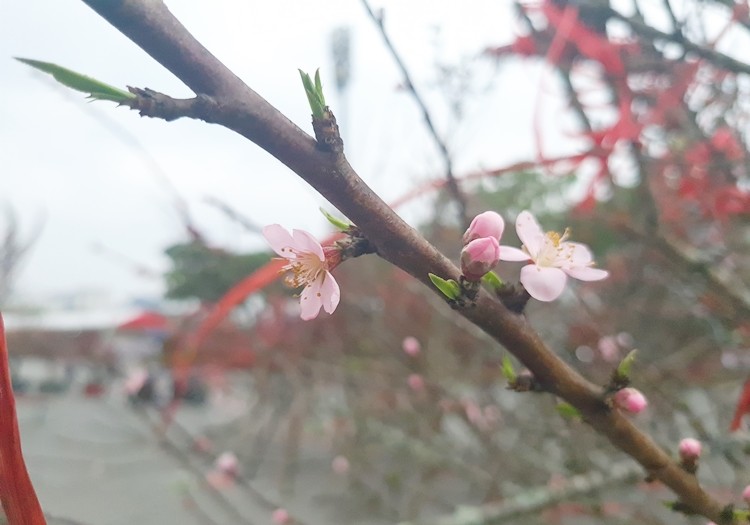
(148, 321)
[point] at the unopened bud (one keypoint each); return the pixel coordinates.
(411, 346)
(690, 449)
(487, 224)
(281, 517)
(746, 494)
(479, 257)
(415, 382)
(630, 400)
(227, 463)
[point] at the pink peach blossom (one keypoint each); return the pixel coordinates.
(553, 259)
(309, 267)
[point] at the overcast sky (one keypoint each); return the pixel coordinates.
(97, 175)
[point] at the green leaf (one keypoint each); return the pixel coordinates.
(623, 369)
(337, 223)
(680, 507)
(306, 81)
(493, 280)
(450, 288)
(96, 89)
(508, 372)
(314, 93)
(568, 411)
(319, 88)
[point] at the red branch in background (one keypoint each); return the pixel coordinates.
(743, 407)
(17, 494)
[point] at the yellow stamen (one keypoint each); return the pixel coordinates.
(555, 238)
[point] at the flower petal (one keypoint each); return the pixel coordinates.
(279, 239)
(543, 283)
(578, 254)
(509, 253)
(329, 293)
(305, 242)
(311, 300)
(587, 273)
(530, 233)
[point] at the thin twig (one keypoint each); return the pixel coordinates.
(191, 458)
(233, 214)
(537, 499)
(453, 188)
(718, 59)
(575, 102)
(676, 25)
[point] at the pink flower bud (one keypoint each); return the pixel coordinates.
(630, 400)
(415, 382)
(487, 224)
(227, 463)
(411, 346)
(281, 517)
(689, 449)
(479, 257)
(340, 465)
(746, 494)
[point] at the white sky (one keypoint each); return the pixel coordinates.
(90, 169)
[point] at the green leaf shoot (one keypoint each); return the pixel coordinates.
(508, 372)
(623, 369)
(450, 288)
(96, 89)
(491, 279)
(339, 224)
(568, 411)
(314, 93)
(319, 87)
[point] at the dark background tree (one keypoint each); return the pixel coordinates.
(201, 272)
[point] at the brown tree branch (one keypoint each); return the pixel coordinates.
(237, 107)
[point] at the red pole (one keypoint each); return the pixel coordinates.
(17, 494)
